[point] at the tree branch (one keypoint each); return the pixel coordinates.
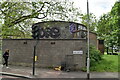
(33, 15)
(22, 31)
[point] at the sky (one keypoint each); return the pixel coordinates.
(97, 7)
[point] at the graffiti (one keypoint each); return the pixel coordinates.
(59, 30)
(49, 32)
(72, 28)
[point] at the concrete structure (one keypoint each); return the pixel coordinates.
(50, 52)
(59, 42)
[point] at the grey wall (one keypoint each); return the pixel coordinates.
(50, 52)
(64, 29)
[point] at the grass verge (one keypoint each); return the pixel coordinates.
(109, 63)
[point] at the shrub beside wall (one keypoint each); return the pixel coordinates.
(95, 56)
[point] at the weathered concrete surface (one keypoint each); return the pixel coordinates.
(50, 52)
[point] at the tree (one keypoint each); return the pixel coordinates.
(17, 15)
(69, 13)
(13, 14)
(115, 21)
(92, 21)
(109, 26)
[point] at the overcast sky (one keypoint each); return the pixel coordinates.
(97, 7)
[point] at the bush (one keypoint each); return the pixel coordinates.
(95, 56)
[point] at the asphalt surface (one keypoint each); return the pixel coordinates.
(26, 72)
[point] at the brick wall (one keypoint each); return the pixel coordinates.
(101, 46)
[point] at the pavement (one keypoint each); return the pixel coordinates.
(26, 72)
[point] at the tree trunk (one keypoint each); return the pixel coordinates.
(112, 48)
(107, 50)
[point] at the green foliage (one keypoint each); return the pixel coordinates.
(115, 22)
(64, 11)
(95, 56)
(13, 23)
(109, 27)
(92, 21)
(109, 63)
(18, 17)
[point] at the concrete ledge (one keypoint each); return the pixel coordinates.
(15, 75)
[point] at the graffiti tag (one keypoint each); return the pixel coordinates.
(49, 32)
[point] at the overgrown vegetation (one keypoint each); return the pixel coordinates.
(102, 63)
(95, 56)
